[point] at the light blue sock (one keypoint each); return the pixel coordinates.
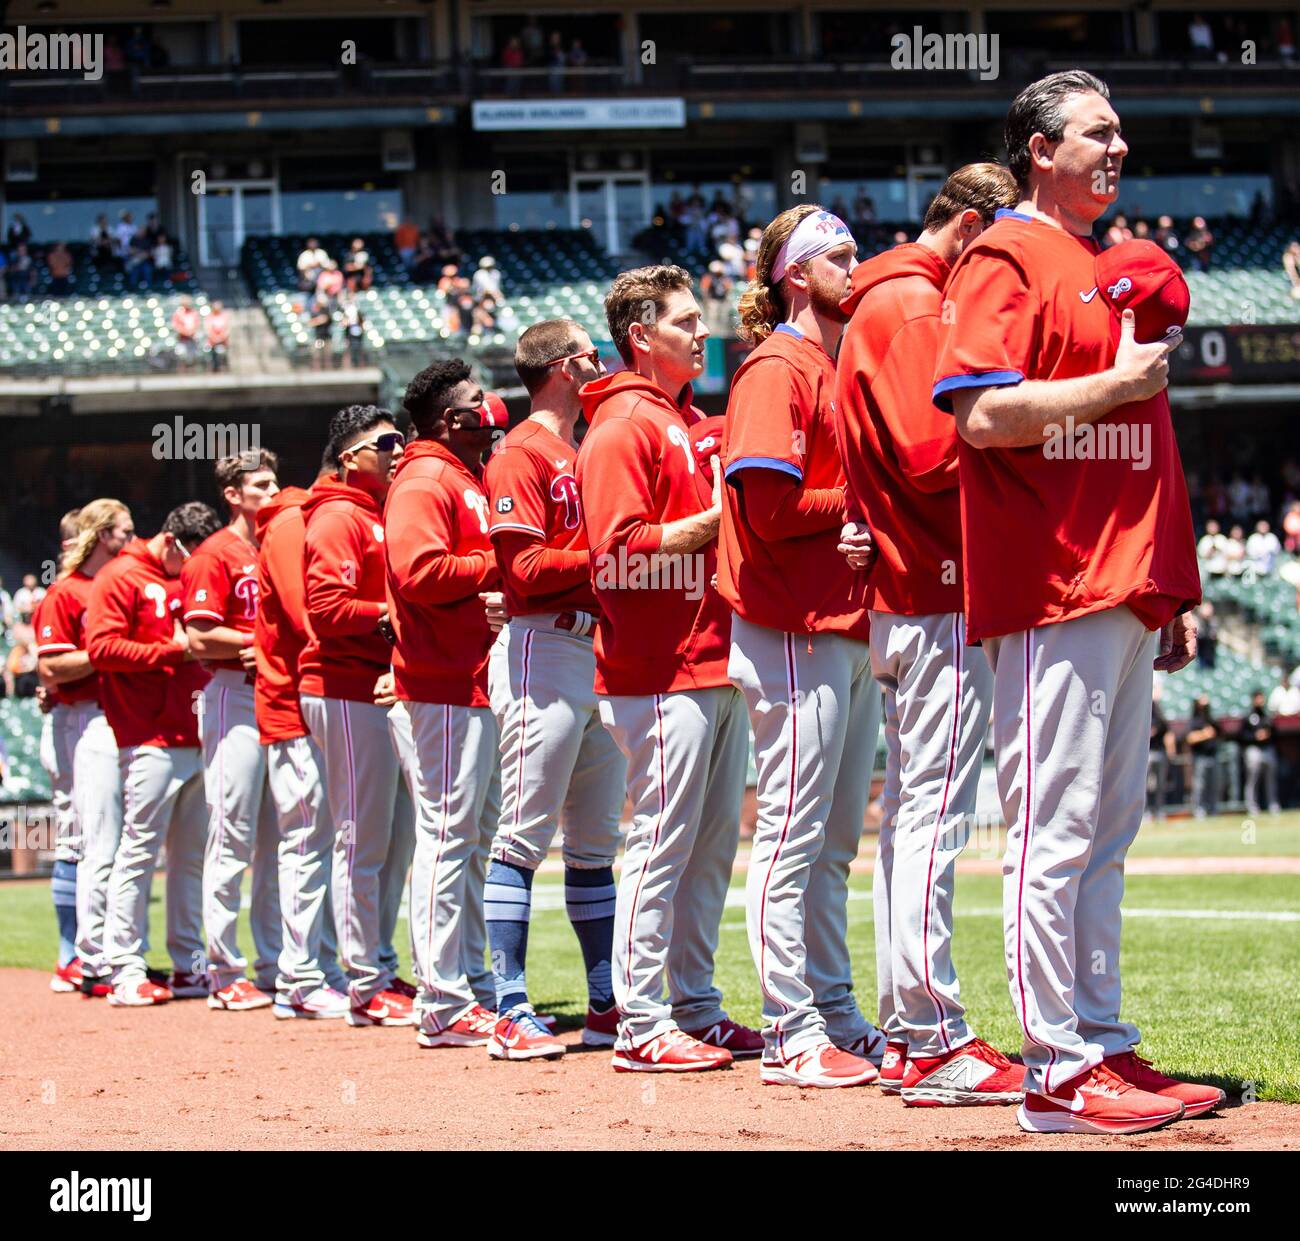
(63, 889)
(507, 903)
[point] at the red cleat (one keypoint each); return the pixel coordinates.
(972, 1075)
(601, 1029)
(472, 1029)
(67, 978)
(893, 1067)
(1096, 1101)
(822, 1066)
(240, 996)
(673, 1051)
(519, 1035)
(740, 1040)
(141, 994)
(387, 1008)
(1196, 1099)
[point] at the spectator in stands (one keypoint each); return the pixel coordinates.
(406, 238)
(26, 597)
(1207, 636)
(1165, 237)
(101, 244)
(123, 232)
(484, 317)
(330, 281)
(311, 262)
(218, 333)
(164, 258)
(1261, 504)
(21, 678)
(1263, 549)
(1211, 550)
(1285, 698)
(1159, 757)
(1239, 498)
(557, 60)
(442, 241)
(139, 259)
(114, 57)
(512, 55)
(532, 40)
(1200, 38)
(1261, 755)
(185, 323)
(715, 292)
(354, 329)
(22, 273)
(321, 321)
(58, 262)
(864, 210)
(1291, 528)
(487, 279)
(1117, 232)
(577, 54)
(424, 269)
(1141, 231)
(18, 233)
(1234, 552)
(1203, 745)
(356, 266)
(1285, 39)
(1200, 243)
(152, 229)
(137, 50)
(1291, 265)
(7, 613)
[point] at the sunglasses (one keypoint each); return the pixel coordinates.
(387, 442)
(592, 356)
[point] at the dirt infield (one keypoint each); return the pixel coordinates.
(77, 1074)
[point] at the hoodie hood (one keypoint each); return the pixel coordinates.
(327, 489)
(286, 498)
(429, 450)
(139, 549)
(909, 259)
(599, 390)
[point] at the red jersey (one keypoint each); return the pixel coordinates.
(343, 573)
(536, 507)
(281, 626)
(219, 583)
(60, 624)
(1094, 517)
(663, 627)
(786, 573)
(147, 687)
(899, 451)
(439, 558)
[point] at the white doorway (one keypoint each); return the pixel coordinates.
(615, 206)
(231, 211)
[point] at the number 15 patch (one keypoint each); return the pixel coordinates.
(505, 504)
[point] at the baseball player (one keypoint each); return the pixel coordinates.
(439, 559)
(59, 733)
(799, 652)
(149, 685)
(558, 763)
(1103, 556)
(345, 655)
(661, 674)
(219, 587)
(900, 461)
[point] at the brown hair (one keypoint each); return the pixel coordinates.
(638, 296)
(93, 519)
(974, 187)
(539, 346)
(1040, 109)
(762, 304)
(230, 471)
(68, 525)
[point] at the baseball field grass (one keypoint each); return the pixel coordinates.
(1211, 961)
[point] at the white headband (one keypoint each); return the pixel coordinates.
(813, 235)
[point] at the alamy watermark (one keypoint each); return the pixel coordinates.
(179, 440)
(64, 52)
(626, 570)
(919, 50)
(1099, 441)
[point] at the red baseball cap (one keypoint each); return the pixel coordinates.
(493, 412)
(706, 437)
(1139, 276)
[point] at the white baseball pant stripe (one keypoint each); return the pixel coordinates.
(812, 703)
(97, 795)
(455, 782)
(559, 766)
(939, 693)
(360, 770)
(473, 927)
(1071, 719)
(162, 799)
(242, 828)
(686, 753)
(61, 729)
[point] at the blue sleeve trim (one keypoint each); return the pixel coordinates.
(762, 463)
(980, 379)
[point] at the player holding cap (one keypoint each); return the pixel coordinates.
(900, 459)
(220, 594)
(150, 685)
(309, 983)
(438, 561)
(799, 652)
(1103, 556)
(559, 766)
(346, 653)
(661, 673)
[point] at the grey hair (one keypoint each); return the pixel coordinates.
(1040, 109)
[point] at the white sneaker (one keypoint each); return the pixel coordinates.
(824, 1065)
(321, 1004)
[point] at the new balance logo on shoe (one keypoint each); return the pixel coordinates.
(959, 1073)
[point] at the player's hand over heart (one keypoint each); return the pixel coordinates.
(1143, 370)
(1177, 644)
(856, 544)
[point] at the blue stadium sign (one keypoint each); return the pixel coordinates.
(580, 114)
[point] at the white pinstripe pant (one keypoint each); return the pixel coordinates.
(938, 695)
(815, 712)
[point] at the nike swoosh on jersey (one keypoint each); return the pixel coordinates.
(1087, 297)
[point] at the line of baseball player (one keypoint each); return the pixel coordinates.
(424, 662)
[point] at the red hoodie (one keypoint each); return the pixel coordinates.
(439, 558)
(343, 573)
(899, 450)
(60, 624)
(280, 631)
(146, 686)
(663, 627)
